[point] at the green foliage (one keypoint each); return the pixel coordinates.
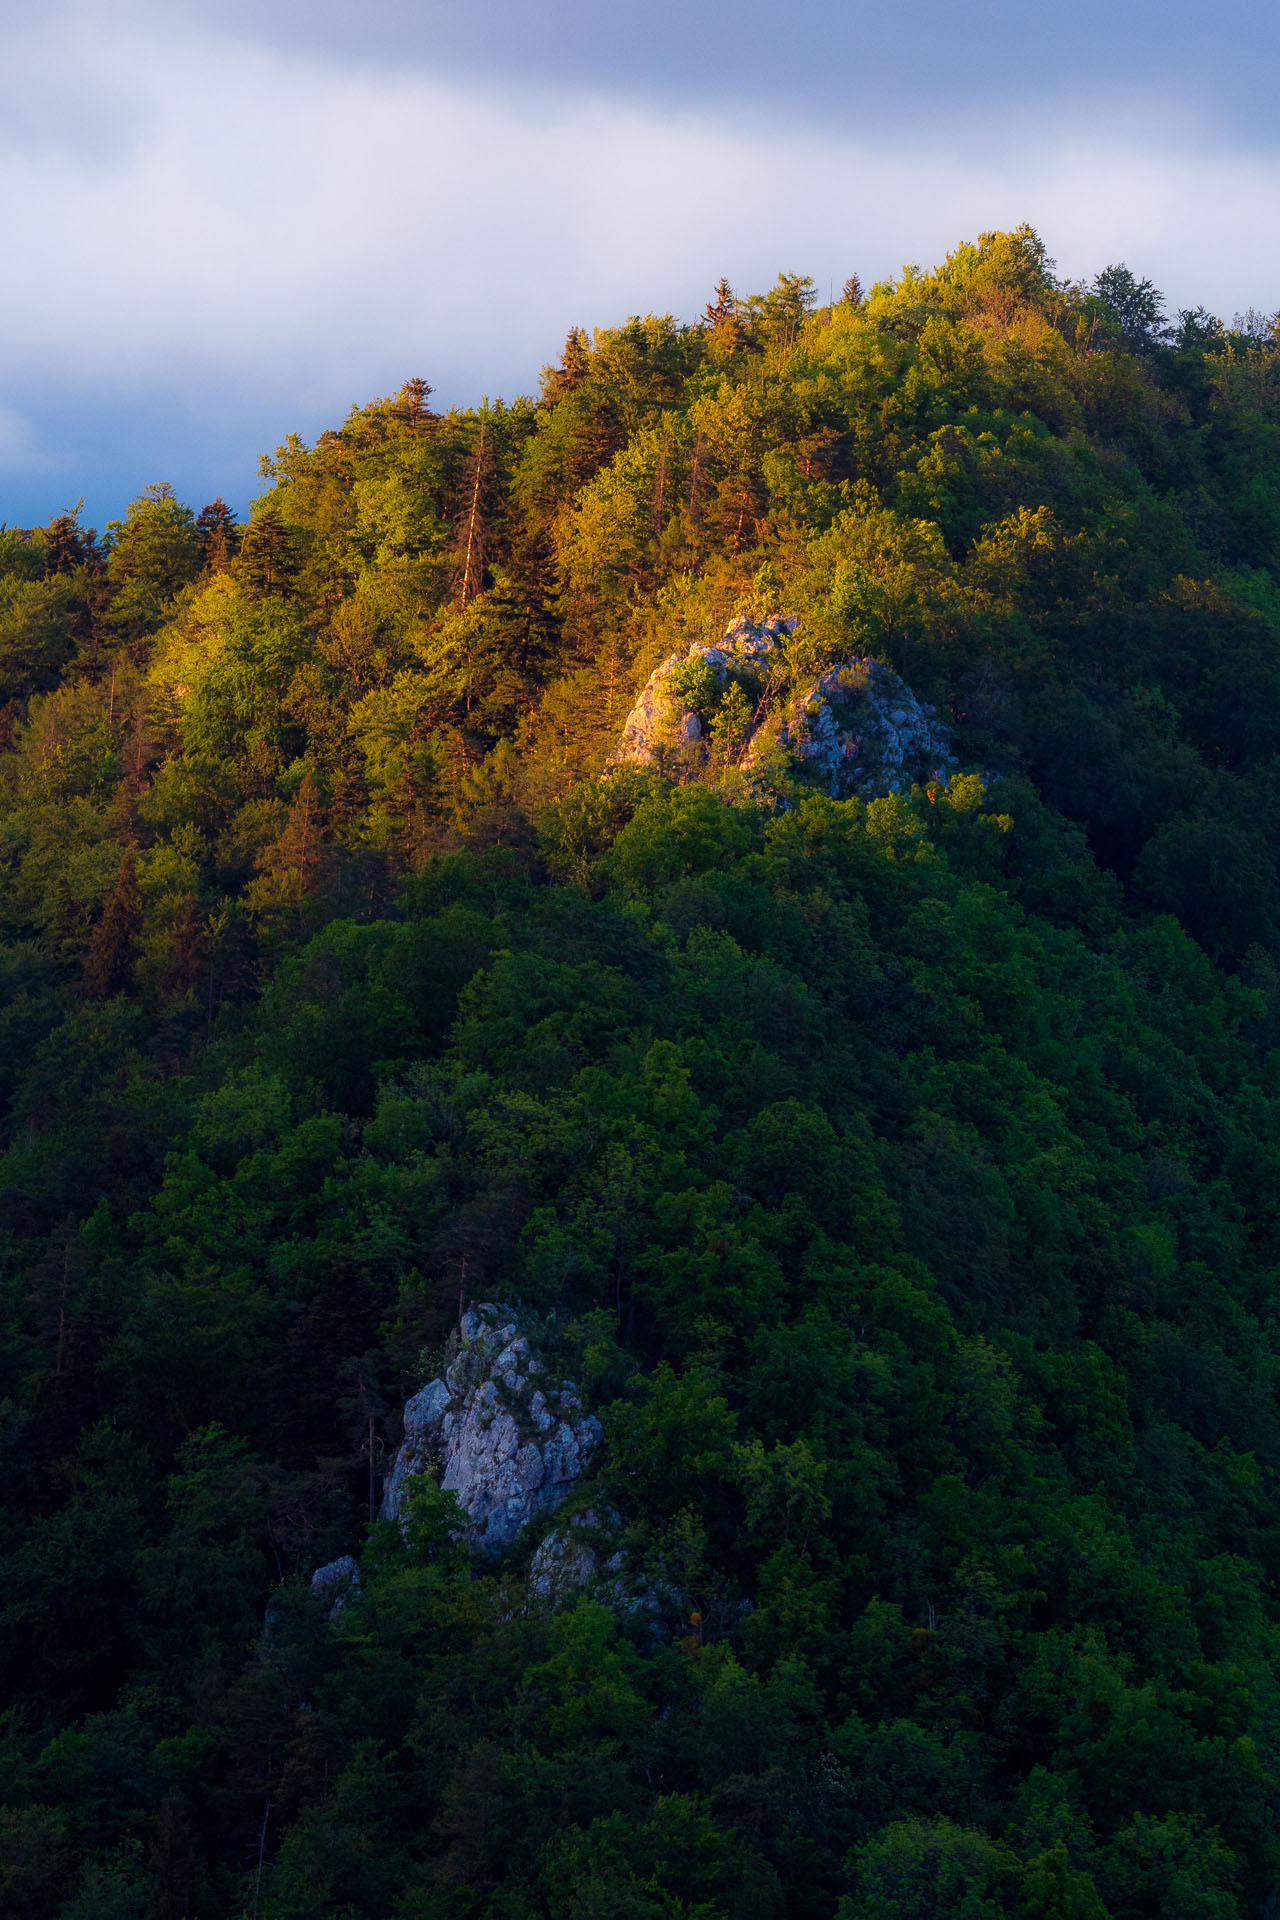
(896, 1179)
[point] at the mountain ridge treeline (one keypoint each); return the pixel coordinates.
(897, 1177)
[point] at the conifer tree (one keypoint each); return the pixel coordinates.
(722, 305)
(217, 532)
(113, 944)
(296, 854)
(722, 316)
(186, 945)
(527, 595)
(696, 477)
(575, 365)
(350, 795)
(53, 1288)
(68, 545)
(851, 293)
(406, 822)
(412, 406)
(268, 554)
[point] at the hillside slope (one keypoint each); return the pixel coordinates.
(895, 1176)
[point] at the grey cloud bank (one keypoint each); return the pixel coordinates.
(825, 58)
(214, 240)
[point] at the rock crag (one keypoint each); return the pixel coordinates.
(503, 1436)
(572, 1556)
(336, 1582)
(584, 1552)
(856, 729)
(661, 719)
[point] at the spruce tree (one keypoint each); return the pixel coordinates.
(217, 532)
(412, 407)
(575, 365)
(68, 545)
(722, 316)
(268, 554)
(721, 306)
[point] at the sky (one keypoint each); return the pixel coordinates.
(226, 224)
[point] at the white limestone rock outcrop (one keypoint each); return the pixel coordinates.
(572, 1556)
(856, 728)
(584, 1552)
(501, 1434)
(661, 721)
(336, 1582)
(859, 729)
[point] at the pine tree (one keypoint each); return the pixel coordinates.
(696, 477)
(526, 594)
(350, 795)
(406, 822)
(290, 866)
(298, 847)
(852, 294)
(113, 944)
(658, 492)
(293, 860)
(54, 1286)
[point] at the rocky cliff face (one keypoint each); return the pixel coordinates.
(503, 1436)
(856, 729)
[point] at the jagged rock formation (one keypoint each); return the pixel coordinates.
(860, 729)
(661, 720)
(571, 1557)
(857, 728)
(506, 1439)
(336, 1582)
(583, 1553)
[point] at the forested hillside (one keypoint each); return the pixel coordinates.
(897, 1177)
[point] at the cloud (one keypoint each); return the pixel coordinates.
(222, 239)
(19, 452)
(827, 62)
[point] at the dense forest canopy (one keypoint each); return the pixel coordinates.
(898, 1178)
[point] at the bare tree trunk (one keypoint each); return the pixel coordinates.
(693, 476)
(62, 1308)
(472, 565)
(660, 485)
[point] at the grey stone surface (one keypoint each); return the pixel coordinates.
(861, 730)
(660, 720)
(336, 1582)
(503, 1436)
(583, 1552)
(857, 728)
(570, 1559)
